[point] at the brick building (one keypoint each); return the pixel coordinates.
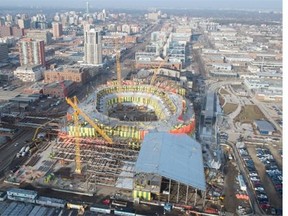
(44, 35)
(75, 74)
(6, 31)
(131, 39)
(57, 29)
(58, 89)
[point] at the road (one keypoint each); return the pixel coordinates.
(9, 150)
(130, 54)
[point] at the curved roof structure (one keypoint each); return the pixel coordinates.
(173, 156)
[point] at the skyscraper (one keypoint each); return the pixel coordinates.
(32, 52)
(57, 29)
(87, 7)
(92, 47)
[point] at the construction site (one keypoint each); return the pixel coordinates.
(129, 137)
(102, 136)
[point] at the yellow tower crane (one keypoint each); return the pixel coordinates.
(77, 112)
(77, 135)
(156, 71)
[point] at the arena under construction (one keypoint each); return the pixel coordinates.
(115, 111)
(134, 138)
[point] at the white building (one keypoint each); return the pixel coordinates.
(222, 66)
(29, 73)
(255, 84)
(126, 28)
(92, 47)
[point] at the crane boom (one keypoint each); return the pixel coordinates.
(38, 128)
(156, 71)
(80, 112)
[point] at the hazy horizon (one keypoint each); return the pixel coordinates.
(189, 4)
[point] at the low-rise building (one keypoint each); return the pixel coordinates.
(60, 89)
(224, 74)
(75, 74)
(264, 127)
(255, 84)
(222, 66)
(268, 95)
(154, 64)
(53, 202)
(29, 73)
(22, 195)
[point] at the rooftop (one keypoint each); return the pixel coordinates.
(173, 156)
(54, 200)
(264, 125)
(22, 191)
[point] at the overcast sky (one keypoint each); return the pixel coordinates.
(197, 4)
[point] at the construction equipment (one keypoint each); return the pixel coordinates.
(77, 144)
(77, 112)
(91, 122)
(156, 71)
(35, 139)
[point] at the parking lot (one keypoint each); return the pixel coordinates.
(265, 177)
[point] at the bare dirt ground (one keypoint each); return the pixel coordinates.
(230, 201)
(229, 108)
(274, 198)
(249, 113)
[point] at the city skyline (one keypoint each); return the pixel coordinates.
(189, 4)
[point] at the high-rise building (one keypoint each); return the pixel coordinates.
(3, 51)
(44, 35)
(57, 29)
(5, 31)
(17, 32)
(32, 52)
(92, 47)
(87, 7)
(24, 23)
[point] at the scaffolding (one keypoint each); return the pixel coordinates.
(104, 161)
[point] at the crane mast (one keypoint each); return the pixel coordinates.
(77, 144)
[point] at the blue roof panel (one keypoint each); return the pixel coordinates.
(174, 156)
